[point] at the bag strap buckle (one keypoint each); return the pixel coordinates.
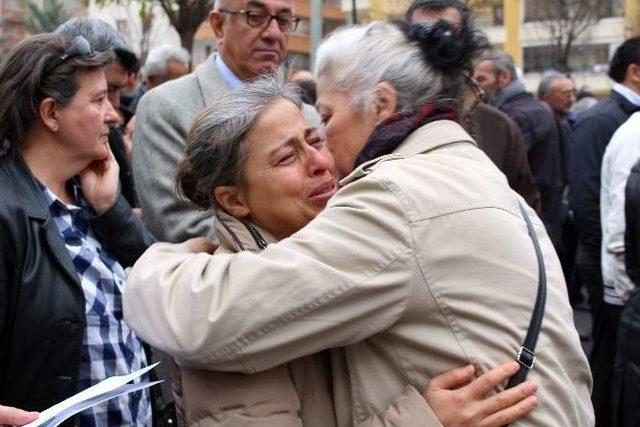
(526, 358)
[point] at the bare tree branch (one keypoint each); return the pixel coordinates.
(565, 22)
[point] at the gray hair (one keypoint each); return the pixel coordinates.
(98, 33)
(156, 64)
(547, 81)
(102, 37)
(216, 145)
(357, 58)
(501, 61)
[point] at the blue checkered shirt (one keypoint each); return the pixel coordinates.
(109, 347)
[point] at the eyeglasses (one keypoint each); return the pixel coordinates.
(79, 47)
(259, 19)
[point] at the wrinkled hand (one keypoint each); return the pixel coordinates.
(200, 244)
(101, 182)
(460, 400)
(12, 416)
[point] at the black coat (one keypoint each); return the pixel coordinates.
(127, 188)
(501, 140)
(589, 139)
(42, 307)
(632, 224)
(543, 141)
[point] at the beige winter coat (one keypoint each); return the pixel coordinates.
(419, 264)
(296, 394)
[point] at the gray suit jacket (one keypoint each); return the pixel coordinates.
(164, 117)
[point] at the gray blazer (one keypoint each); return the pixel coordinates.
(164, 117)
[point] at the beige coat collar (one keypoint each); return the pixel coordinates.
(429, 137)
(235, 235)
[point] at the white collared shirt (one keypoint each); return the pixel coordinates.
(232, 81)
(628, 93)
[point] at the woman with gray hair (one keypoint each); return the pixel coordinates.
(266, 174)
(421, 262)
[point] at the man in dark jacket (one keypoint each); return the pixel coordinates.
(495, 72)
(496, 134)
(589, 140)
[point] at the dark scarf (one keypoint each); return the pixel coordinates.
(388, 135)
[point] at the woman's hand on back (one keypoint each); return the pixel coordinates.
(459, 399)
(101, 183)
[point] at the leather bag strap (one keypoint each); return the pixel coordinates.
(526, 355)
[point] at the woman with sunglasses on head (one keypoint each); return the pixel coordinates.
(66, 234)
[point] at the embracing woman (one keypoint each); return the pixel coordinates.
(420, 263)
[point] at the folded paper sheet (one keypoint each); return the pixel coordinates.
(105, 390)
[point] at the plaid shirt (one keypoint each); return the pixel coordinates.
(109, 347)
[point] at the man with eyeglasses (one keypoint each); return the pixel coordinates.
(252, 38)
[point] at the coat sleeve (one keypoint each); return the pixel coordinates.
(615, 172)
(159, 144)
(408, 410)
(123, 232)
(344, 277)
(518, 171)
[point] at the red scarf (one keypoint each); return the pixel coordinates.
(388, 135)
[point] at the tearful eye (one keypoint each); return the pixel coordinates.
(315, 141)
(286, 159)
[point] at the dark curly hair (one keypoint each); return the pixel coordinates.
(628, 53)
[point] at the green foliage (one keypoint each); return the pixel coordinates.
(47, 18)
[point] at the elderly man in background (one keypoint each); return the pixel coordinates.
(252, 38)
(103, 37)
(164, 63)
(496, 73)
(558, 92)
(496, 134)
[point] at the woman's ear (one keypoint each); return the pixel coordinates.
(47, 110)
(232, 199)
(386, 101)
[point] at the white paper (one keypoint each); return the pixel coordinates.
(104, 390)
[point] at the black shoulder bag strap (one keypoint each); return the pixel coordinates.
(526, 355)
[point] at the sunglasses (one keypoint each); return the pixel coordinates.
(79, 47)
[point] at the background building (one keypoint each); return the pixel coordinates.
(531, 30)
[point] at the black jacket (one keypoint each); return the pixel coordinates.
(42, 307)
(127, 188)
(589, 139)
(632, 224)
(501, 140)
(543, 141)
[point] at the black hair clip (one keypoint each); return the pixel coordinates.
(441, 43)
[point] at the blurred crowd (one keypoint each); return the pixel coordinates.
(104, 156)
